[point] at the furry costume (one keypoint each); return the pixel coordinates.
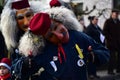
(58, 13)
(8, 24)
(31, 44)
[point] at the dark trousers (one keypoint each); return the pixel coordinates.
(114, 62)
(91, 69)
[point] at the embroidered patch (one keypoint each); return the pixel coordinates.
(53, 65)
(55, 58)
(80, 62)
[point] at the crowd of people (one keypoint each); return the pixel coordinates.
(42, 43)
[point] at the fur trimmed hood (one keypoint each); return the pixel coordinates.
(66, 16)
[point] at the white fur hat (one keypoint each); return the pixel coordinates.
(66, 16)
(6, 62)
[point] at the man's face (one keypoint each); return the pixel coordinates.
(95, 20)
(114, 15)
(57, 33)
(23, 17)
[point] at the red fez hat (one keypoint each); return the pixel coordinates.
(20, 4)
(6, 62)
(40, 23)
(54, 3)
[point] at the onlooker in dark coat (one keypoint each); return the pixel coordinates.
(94, 31)
(111, 31)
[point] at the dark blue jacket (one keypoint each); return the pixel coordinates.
(94, 32)
(70, 68)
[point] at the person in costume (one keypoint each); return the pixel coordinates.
(65, 51)
(15, 18)
(5, 67)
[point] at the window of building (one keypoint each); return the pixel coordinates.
(116, 4)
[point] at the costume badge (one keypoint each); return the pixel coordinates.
(80, 62)
(16, 50)
(55, 58)
(53, 65)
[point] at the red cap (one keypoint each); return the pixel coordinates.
(6, 62)
(40, 24)
(54, 3)
(20, 4)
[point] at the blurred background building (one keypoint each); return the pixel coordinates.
(85, 8)
(100, 8)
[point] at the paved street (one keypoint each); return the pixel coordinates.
(105, 76)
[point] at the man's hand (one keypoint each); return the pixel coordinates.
(91, 56)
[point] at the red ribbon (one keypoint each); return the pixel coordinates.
(61, 52)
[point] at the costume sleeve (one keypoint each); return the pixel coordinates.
(106, 30)
(101, 53)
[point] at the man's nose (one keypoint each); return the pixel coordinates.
(58, 34)
(26, 21)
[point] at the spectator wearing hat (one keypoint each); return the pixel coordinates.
(66, 50)
(111, 31)
(15, 18)
(5, 67)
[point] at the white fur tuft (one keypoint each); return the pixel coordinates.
(31, 43)
(8, 27)
(66, 16)
(38, 6)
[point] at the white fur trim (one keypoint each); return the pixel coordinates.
(3, 64)
(31, 43)
(66, 16)
(38, 6)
